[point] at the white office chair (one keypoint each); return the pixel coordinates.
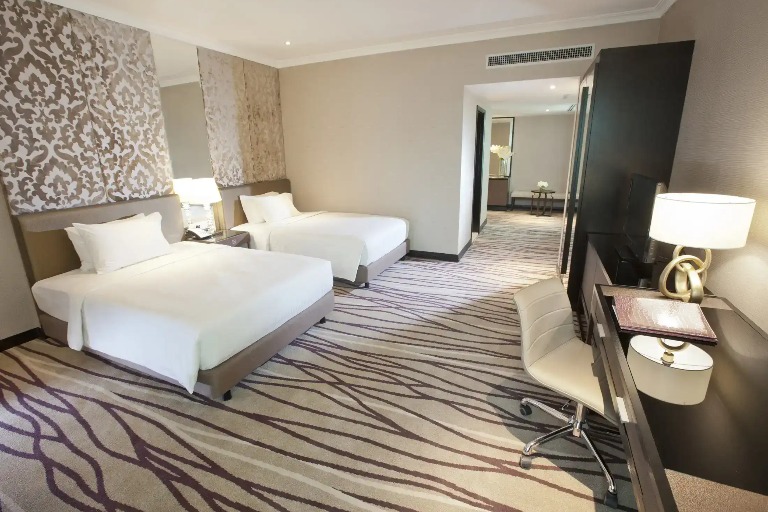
(555, 357)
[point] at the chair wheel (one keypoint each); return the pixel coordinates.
(611, 499)
(525, 409)
(525, 461)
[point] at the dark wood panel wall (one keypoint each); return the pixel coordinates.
(637, 104)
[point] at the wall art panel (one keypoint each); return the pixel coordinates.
(262, 88)
(124, 100)
(48, 159)
(226, 118)
(243, 118)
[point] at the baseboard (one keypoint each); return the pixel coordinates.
(18, 339)
(440, 256)
(466, 247)
(498, 208)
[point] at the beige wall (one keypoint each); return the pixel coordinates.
(185, 127)
(542, 151)
(468, 133)
(723, 144)
(383, 133)
(17, 311)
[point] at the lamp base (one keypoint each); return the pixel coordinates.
(690, 276)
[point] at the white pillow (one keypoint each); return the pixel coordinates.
(251, 207)
(277, 208)
(120, 244)
(86, 261)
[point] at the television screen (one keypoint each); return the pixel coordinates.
(642, 194)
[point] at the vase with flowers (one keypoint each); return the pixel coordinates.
(504, 153)
(543, 185)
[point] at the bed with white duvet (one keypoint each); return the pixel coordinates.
(359, 246)
(115, 279)
(189, 310)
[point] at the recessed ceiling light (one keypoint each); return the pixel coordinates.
(553, 87)
(547, 110)
(287, 43)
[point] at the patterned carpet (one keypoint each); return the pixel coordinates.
(406, 399)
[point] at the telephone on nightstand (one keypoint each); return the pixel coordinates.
(197, 234)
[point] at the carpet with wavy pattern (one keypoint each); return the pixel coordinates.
(406, 399)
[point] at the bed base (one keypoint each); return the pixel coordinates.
(219, 381)
(365, 273)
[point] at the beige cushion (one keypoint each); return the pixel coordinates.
(552, 352)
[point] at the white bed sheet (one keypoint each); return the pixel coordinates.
(189, 310)
(347, 240)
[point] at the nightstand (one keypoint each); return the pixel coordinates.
(226, 237)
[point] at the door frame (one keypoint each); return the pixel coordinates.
(477, 187)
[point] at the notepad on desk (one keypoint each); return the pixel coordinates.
(664, 318)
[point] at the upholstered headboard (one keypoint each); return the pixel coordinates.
(230, 198)
(46, 248)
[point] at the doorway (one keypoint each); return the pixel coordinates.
(477, 192)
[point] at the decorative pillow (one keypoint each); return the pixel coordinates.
(251, 207)
(277, 208)
(120, 244)
(86, 261)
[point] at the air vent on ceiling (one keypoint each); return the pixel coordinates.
(585, 51)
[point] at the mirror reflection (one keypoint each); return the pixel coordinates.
(181, 99)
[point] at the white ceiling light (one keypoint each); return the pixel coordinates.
(553, 87)
(287, 43)
(547, 110)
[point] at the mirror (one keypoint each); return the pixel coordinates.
(181, 98)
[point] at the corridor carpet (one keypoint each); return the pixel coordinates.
(406, 399)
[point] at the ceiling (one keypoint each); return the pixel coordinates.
(529, 97)
(334, 29)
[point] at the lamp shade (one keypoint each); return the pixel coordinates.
(705, 221)
(684, 382)
(183, 188)
(204, 191)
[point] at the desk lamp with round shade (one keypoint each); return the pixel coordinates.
(703, 221)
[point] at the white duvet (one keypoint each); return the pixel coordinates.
(189, 310)
(347, 240)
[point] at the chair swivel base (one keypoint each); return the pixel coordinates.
(575, 426)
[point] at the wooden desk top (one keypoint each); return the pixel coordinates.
(698, 457)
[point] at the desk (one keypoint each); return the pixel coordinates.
(710, 456)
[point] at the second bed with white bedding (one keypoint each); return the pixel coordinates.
(347, 240)
(186, 311)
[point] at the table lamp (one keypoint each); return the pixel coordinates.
(205, 192)
(704, 221)
(183, 187)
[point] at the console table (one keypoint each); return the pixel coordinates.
(540, 197)
(712, 456)
(498, 192)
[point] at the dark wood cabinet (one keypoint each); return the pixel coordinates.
(631, 104)
(498, 192)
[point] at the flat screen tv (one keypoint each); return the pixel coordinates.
(642, 194)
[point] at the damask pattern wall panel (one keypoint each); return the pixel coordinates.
(243, 118)
(124, 99)
(80, 116)
(48, 158)
(262, 87)
(226, 118)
